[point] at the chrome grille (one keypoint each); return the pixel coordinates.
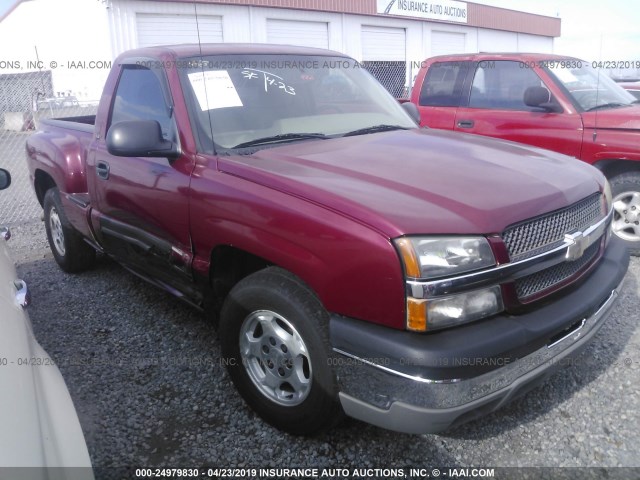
(538, 282)
(543, 233)
(540, 234)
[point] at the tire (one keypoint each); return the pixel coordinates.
(274, 335)
(625, 189)
(69, 250)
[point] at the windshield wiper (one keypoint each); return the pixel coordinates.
(282, 138)
(608, 105)
(374, 129)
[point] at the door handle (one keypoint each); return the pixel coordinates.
(102, 170)
(465, 123)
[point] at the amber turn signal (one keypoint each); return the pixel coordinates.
(416, 314)
(409, 257)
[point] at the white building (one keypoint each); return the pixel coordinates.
(77, 39)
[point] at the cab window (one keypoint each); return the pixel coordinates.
(501, 85)
(443, 84)
(140, 96)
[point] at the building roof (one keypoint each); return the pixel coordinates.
(481, 16)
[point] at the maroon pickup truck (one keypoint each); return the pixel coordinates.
(411, 278)
(549, 101)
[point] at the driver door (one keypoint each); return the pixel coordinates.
(141, 205)
(496, 108)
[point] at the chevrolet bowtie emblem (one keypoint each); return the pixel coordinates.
(578, 243)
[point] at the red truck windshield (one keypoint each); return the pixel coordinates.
(588, 87)
(237, 100)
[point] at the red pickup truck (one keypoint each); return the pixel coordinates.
(550, 101)
(411, 278)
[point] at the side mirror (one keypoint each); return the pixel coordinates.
(139, 138)
(413, 111)
(540, 97)
(5, 178)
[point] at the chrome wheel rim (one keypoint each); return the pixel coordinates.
(57, 235)
(275, 358)
(626, 217)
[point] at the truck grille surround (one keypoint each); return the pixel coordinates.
(542, 234)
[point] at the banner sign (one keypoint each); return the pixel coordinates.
(448, 10)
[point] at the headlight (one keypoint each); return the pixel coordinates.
(433, 257)
(463, 308)
(608, 198)
(441, 312)
(427, 258)
(607, 203)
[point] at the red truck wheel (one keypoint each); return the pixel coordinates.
(625, 189)
(274, 335)
(70, 251)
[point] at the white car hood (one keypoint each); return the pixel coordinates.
(39, 426)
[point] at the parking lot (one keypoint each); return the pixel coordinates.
(144, 372)
(145, 375)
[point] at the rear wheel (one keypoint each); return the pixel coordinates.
(625, 189)
(70, 251)
(274, 334)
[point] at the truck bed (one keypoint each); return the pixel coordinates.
(83, 123)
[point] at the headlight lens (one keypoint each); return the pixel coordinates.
(441, 312)
(427, 258)
(433, 257)
(463, 308)
(607, 203)
(608, 198)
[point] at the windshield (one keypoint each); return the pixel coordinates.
(590, 88)
(237, 101)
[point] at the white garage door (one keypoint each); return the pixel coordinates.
(161, 29)
(384, 55)
(534, 43)
(292, 32)
(383, 43)
(444, 43)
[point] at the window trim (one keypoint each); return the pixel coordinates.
(463, 96)
(160, 74)
(527, 109)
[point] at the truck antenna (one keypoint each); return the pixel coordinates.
(595, 129)
(44, 87)
(204, 83)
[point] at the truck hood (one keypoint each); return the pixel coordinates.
(423, 180)
(622, 118)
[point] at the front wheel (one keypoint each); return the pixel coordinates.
(69, 250)
(625, 189)
(274, 334)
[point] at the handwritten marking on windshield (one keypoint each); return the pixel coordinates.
(270, 80)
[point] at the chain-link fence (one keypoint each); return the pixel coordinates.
(396, 77)
(26, 99)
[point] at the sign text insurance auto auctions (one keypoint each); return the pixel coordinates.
(449, 10)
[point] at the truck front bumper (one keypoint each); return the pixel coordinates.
(406, 382)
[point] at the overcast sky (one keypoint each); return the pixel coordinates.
(4, 6)
(591, 29)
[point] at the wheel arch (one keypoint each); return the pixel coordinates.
(42, 182)
(613, 167)
(229, 265)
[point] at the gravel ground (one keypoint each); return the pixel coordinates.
(143, 370)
